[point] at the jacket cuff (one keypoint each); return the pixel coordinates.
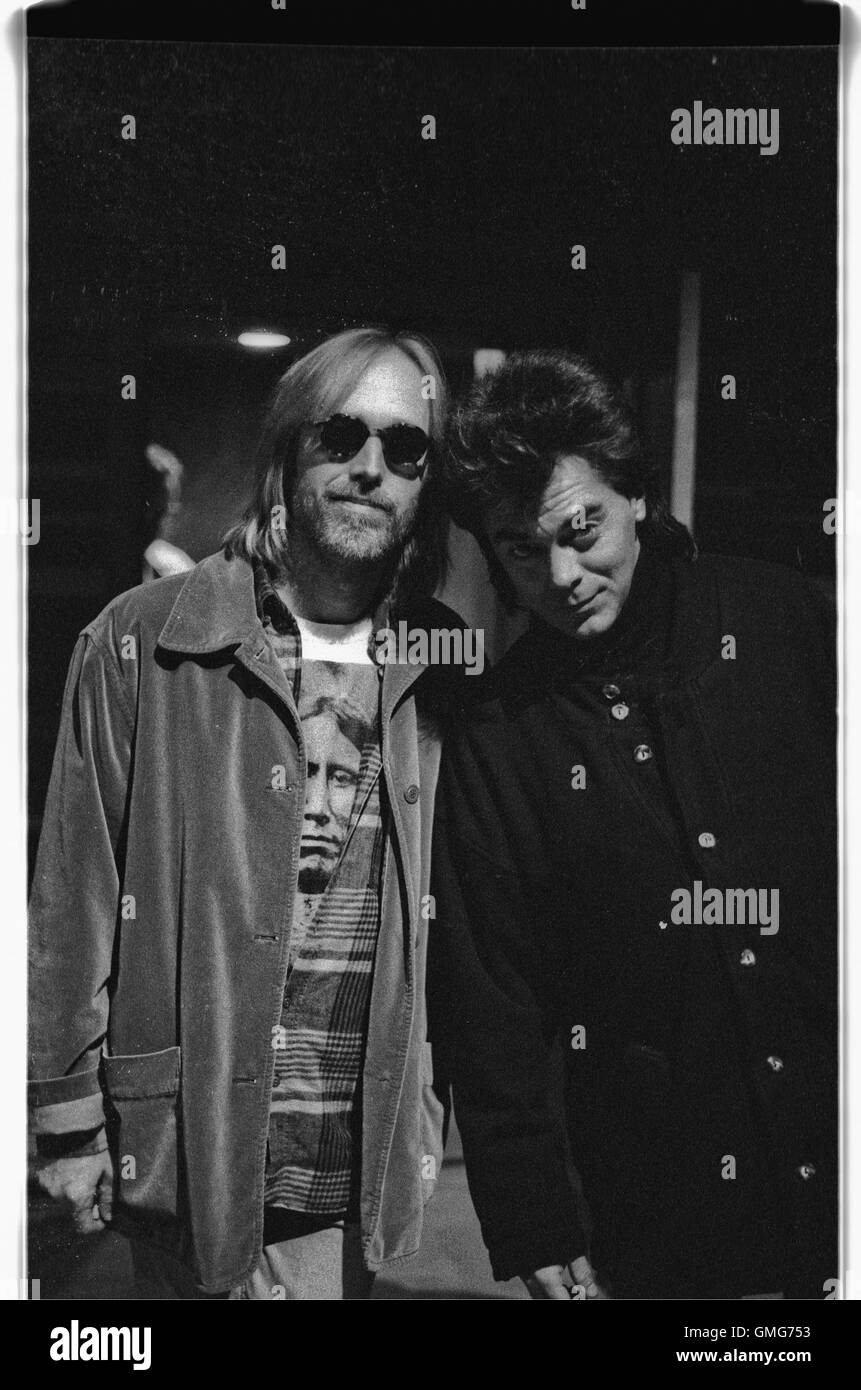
(76, 1144)
(62, 1104)
(520, 1255)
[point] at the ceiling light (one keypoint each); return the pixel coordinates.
(261, 338)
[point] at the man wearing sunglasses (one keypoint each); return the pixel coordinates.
(229, 1054)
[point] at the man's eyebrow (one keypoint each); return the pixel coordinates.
(586, 505)
(575, 517)
(583, 509)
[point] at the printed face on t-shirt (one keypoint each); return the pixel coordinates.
(334, 762)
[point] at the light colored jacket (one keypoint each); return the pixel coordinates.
(161, 909)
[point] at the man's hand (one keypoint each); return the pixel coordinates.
(556, 1281)
(84, 1186)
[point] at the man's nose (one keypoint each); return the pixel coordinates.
(368, 465)
(316, 800)
(566, 570)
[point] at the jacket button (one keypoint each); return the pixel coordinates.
(620, 711)
(807, 1171)
(775, 1063)
(411, 794)
(706, 840)
(747, 958)
(642, 753)
(610, 692)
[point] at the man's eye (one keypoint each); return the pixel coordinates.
(344, 779)
(586, 533)
(523, 551)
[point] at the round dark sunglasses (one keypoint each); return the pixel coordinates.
(404, 446)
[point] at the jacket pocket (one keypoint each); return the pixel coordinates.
(432, 1122)
(142, 1092)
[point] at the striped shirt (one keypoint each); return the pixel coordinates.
(315, 1114)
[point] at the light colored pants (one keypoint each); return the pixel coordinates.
(326, 1265)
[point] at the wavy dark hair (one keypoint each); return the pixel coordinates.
(312, 388)
(512, 426)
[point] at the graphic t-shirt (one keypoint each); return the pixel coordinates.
(314, 1147)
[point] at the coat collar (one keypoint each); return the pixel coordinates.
(696, 626)
(215, 607)
(698, 622)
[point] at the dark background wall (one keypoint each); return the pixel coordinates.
(150, 256)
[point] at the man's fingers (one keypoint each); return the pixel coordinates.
(53, 1178)
(87, 1220)
(106, 1198)
(73, 1191)
(548, 1283)
(584, 1278)
(583, 1274)
(84, 1188)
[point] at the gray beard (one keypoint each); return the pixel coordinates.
(348, 538)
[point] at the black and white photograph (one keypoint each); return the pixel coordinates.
(431, 541)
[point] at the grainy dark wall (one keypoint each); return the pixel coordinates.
(149, 256)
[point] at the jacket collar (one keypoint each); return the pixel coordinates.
(215, 607)
(694, 637)
(698, 622)
(273, 610)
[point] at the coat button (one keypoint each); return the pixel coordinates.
(775, 1063)
(747, 958)
(610, 692)
(706, 840)
(807, 1171)
(642, 753)
(620, 711)
(411, 794)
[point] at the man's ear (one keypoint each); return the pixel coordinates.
(638, 507)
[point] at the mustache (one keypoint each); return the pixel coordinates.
(364, 497)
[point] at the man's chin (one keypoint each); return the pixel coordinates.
(359, 542)
(312, 884)
(592, 626)
(586, 628)
(313, 877)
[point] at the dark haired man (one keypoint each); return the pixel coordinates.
(229, 1051)
(635, 853)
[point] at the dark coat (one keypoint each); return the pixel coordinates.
(160, 923)
(701, 1098)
